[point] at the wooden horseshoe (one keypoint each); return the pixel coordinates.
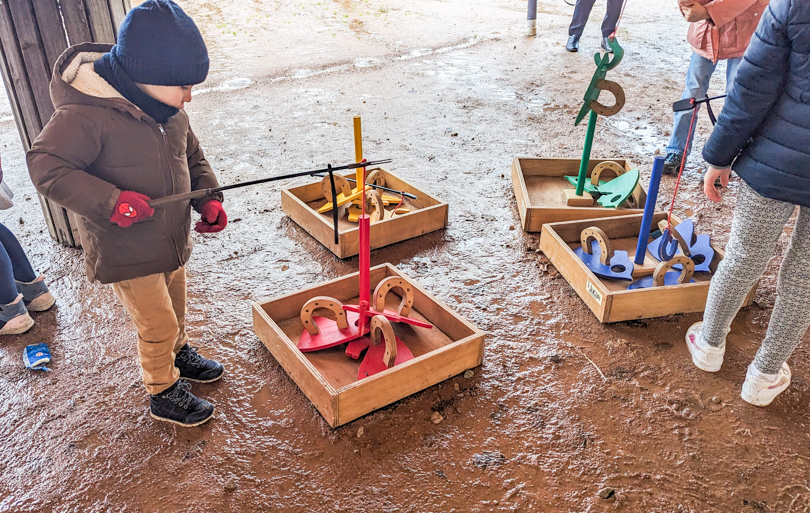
(376, 177)
(594, 233)
(382, 326)
(662, 225)
(341, 186)
(385, 286)
(374, 206)
(331, 305)
(608, 165)
(687, 270)
(617, 92)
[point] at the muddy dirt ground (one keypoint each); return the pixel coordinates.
(452, 91)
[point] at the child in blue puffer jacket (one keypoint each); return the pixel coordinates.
(763, 134)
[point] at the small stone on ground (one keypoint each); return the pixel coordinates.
(488, 459)
(607, 492)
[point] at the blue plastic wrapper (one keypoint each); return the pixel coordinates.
(36, 356)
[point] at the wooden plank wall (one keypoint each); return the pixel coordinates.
(33, 34)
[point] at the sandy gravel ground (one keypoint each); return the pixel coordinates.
(452, 91)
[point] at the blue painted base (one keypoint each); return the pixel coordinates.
(670, 278)
(620, 268)
(700, 247)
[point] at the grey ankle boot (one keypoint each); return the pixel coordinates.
(36, 295)
(14, 318)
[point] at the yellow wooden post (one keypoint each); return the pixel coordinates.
(358, 151)
(357, 193)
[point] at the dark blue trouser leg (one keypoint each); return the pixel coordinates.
(8, 289)
(22, 270)
(580, 18)
(614, 10)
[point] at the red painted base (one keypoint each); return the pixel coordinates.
(330, 335)
(356, 347)
(390, 315)
(373, 362)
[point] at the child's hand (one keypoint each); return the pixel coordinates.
(214, 218)
(130, 208)
(694, 12)
(710, 177)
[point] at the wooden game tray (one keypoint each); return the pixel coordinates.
(329, 377)
(610, 300)
(427, 214)
(539, 184)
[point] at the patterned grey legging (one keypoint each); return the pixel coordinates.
(758, 223)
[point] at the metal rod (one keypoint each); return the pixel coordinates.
(334, 201)
(380, 187)
(206, 192)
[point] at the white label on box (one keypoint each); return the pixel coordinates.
(594, 292)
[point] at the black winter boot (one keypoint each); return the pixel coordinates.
(194, 367)
(573, 44)
(179, 406)
(672, 164)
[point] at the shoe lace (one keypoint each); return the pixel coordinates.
(181, 395)
(191, 356)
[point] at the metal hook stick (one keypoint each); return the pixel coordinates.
(334, 202)
(691, 103)
(200, 193)
(380, 187)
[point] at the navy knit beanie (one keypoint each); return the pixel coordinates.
(159, 44)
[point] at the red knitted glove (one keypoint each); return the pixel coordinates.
(214, 218)
(130, 208)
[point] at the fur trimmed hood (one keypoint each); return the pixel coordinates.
(75, 81)
(81, 75)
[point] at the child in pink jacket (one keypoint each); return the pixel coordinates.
(719, 30)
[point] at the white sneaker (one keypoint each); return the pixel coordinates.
(704, 356)
(761, 391)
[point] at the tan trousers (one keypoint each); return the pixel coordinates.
(157, 305)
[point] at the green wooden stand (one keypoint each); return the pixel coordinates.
(603, 64)
(586, 154)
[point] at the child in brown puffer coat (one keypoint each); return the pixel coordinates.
(118, 139)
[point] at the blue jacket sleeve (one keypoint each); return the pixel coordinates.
(759, 82)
